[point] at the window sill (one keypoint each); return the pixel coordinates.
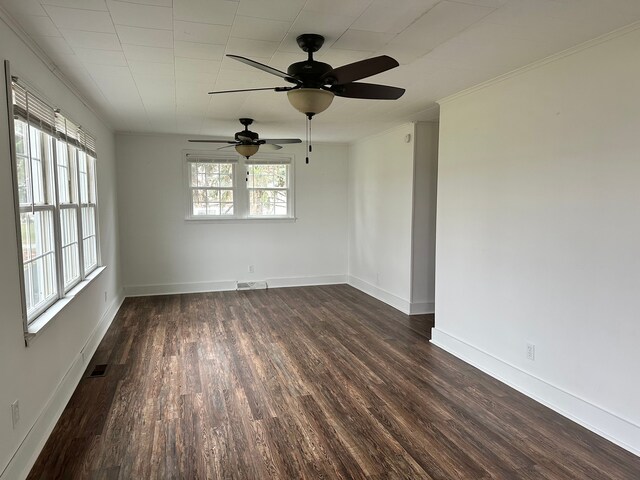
(44, 319)
(242, 220)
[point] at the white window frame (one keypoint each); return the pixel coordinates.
(33, 321)
(273, 160)
(49, 180)
(191, 157)
(240, 189)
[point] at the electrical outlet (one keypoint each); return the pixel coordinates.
(251, 269)
(531, 351)
(15, 413)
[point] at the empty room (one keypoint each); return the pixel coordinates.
(320, 239)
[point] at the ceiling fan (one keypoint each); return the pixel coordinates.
(247, 143)
(315, 84)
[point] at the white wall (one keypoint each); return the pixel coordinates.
(425, 183)
(43, 376)
(161, 252)
(380, 215)
(538, 233)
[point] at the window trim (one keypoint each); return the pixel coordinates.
(16, 200)
(39, 317)
(240, 190)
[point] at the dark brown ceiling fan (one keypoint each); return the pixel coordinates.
(248, 143)
(316, 83)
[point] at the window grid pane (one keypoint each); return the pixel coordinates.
(35, 185)
(92, 178)
(84, 176)
(208, 175)
(65, 174)
(22, 163)
(20, 128)
(212, 202)
(89, 240)
(70, 246)
(268, 176)
(88, 221)
(38, 257)
(268, 203)
(37, 234)
(72, 153)
(90, 252)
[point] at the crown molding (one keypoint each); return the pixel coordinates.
(51, 65)
(539, 63)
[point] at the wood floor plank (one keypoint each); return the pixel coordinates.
(312, 382)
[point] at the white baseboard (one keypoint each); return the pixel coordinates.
(28, 451)
(199, 287)
(618, 430)
(389, 298)
(178, 288)
(306, 281)
(420, 308)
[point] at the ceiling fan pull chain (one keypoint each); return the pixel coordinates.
(307, 131)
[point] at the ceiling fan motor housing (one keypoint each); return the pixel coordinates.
(310, 73)
(246, 136)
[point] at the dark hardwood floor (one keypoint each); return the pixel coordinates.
(313, 382)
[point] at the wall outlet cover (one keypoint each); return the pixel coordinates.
(531, 351)
(15, 413)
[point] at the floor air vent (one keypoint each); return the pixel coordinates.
(99, 371)
(251, 285)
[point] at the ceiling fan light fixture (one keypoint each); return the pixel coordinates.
(247, 150)
(310, 101)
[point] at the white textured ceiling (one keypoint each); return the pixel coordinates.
(147, 65)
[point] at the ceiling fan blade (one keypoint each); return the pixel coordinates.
(213, 141)
(228, 146)
(277, 141)
(358, 70)
(264, 68)
(275, 89)
(368, 90)
(270, 147)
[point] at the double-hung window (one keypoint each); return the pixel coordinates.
(56, 201)
(268, 187)
(37, 211)
(232, 187)
(211, 185)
